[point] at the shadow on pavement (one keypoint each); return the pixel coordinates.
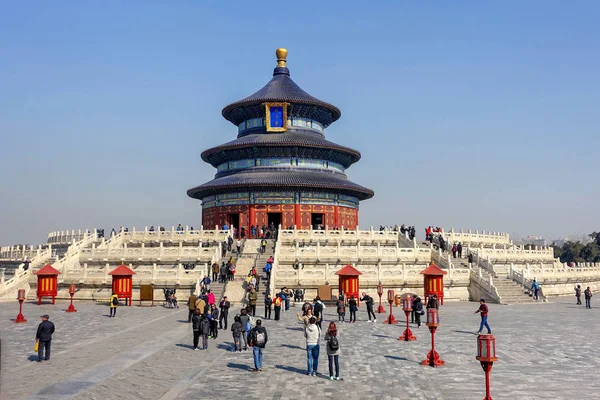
(383, 336)
(243, 367)
(33, 357)
(397, 358)
(295, 329)
(187, 346)
(291, 369)
(226, 346)
(467, 332)
(291, 346)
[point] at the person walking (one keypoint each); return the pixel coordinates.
(588, 297)
(252, 299)
(454, 250)
(418, 309)
(459, 249)
(263, 245)
(238, 246)
(236, 331)
(535, 286)
(353, 309)
(312, 334)
(268, 268)
(196, 318)
(43, 336)
(114, 303)
(341, 310)
(258, 341)
(333, 351)
(483, 310)
(369, 302)
(191, 306)
(578, 294)
(204, 331)
(215, 271)
(244, 319)
(277, 304)
(268, 305)
(224, 307)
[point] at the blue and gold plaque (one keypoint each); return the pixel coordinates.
(276, 114)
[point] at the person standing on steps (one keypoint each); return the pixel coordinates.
(258, 341)
(263, 245)
(369, 302)
(114, 303)
(459, 249)
(312, 334)
(252, 300)
(215, 271)
(196, 318)
(333, 351)
(483, 310)
(535, 286)
(588, 297)
(578, 294)
(224, 307)
(191, 305)
(277, 303)
(43, 336)
(353, 305)
(268, 305)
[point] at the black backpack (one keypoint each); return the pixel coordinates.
(334, 345)
(115, 301)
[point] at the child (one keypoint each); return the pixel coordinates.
(341, 310)
(236, 330)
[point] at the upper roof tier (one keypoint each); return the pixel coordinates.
(281, 88)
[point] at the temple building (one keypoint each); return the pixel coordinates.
(281, 169)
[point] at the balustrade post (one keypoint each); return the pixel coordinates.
(154, 271)
(404, 272)
(2, 277)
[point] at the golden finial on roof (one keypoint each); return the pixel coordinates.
(281, 57)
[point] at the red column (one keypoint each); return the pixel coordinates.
(335, 216)
(252, 216)
(297, 216)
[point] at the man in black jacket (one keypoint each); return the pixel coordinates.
(369, 303)
(224, 306)
(258, 341)
(44, 336)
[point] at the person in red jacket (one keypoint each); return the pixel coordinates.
(483, 310)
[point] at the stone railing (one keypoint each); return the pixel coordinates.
(173, 235)
(21, 276)
(67, 238)
(360, 253)
(20, 253)
(347, 236)
(486, 282)
(515, 253)
(555, 275)
(476, 238)
(160, 253)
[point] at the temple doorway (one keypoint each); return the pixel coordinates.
(316, 220)
(274, 218)
(234, 221)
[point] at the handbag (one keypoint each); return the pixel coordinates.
(37, 345)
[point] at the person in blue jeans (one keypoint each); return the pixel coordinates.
(312, 334)
(483, 310)
(536, 288)
(258, 341)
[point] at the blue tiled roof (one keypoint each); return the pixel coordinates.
(288, 180)
(281, 88)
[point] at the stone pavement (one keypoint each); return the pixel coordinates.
(546, 351)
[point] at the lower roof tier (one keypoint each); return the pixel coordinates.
(291, 144)
(281, 180)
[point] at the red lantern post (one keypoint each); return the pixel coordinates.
(72, 291)
(433, 321)
(21, 297)
(390, 319)
(486, 354)
(407, 335)
(380, 309)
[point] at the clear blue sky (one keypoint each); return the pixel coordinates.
(468, 114)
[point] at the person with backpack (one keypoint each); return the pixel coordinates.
(196, 318)
(201, 305)
(268, 305)
(204, 330)
(245, 322)
(418, 309)
(535, 286)
(236, 331)
(353, 309)
(268, 268)
(588, 297)
(224, 307)
(369, 302)
(277, 303)
(333, 351)
(258, 341)
(341, 310)
(312, 334)
(114, 303)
